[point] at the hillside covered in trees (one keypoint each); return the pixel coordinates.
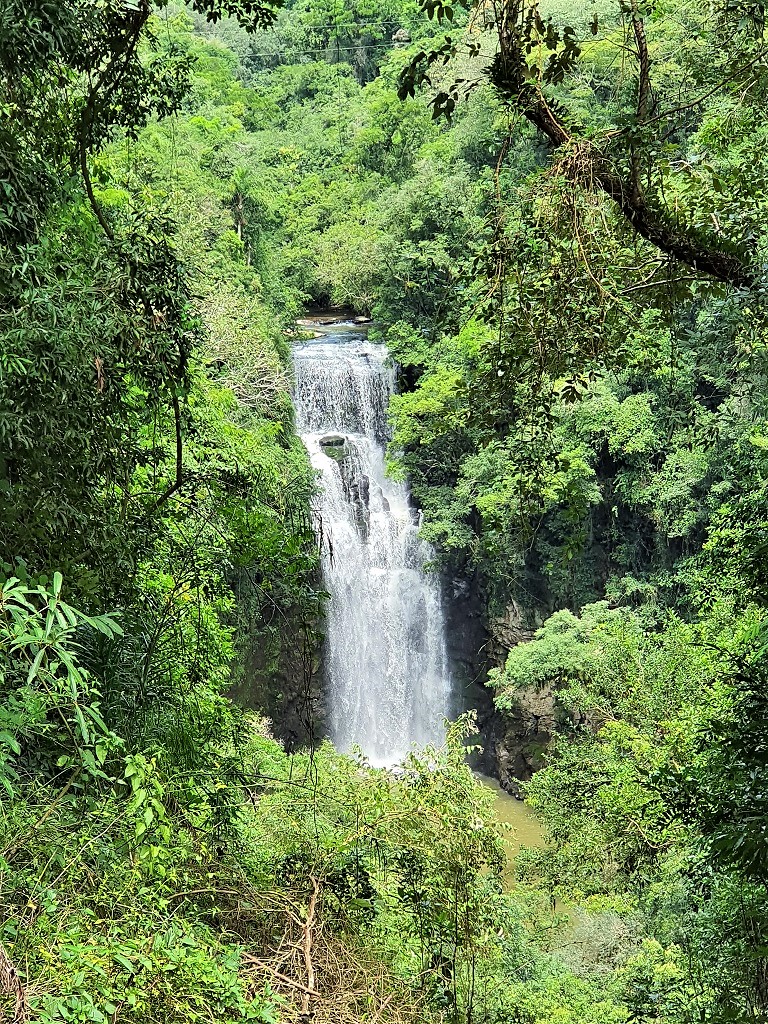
(554, 217)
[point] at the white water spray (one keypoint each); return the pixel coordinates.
(388, 685)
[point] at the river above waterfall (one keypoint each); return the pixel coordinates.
(386, 671)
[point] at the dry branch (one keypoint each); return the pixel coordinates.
(312, 954)
(11, 985)
(309, 991)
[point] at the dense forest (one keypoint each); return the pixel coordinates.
(554, 216)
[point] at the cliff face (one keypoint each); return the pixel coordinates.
(466, 639)
(281, 677)
(277, 671)
(514, 743)
(291, 693)
(522, 736)
(518, 738)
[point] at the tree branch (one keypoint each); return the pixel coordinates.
(508, 74)
(647, 222)
(114, 77)
(309, 991)
(89, 190)
(644, 86)
(176, 485)
(643, 95)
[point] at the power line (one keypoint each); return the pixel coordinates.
(331, 46)
(339, 97)
(347, 24)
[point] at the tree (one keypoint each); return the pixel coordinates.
(628, 159)
(96, 315)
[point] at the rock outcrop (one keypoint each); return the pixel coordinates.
(522, 735)
(357, 486)
(519, 737)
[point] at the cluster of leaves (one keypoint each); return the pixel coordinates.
(652, 796)
(337, 189)
(581, 408)
(137, 882)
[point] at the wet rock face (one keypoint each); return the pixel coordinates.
(514, 627)
(357, 486)
(466, 640)
(465, 636)
(518, 738)
(522, 736)
(334, 446)
(513, 742)
(279, 675)
(357, 490)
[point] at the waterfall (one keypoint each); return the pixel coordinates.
(387, 678)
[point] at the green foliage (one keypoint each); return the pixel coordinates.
(51, 705)
(652, 790)
(582, 422)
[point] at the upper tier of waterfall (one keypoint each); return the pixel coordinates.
(388, 685)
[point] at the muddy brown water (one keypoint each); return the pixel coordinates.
(526, 829)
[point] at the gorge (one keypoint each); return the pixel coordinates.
(246, 574)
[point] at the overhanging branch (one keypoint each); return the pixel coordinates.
(520, 81)
(649, 223)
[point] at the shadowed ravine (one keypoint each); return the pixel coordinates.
(387, 676)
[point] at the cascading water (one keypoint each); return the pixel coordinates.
(387, 675)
